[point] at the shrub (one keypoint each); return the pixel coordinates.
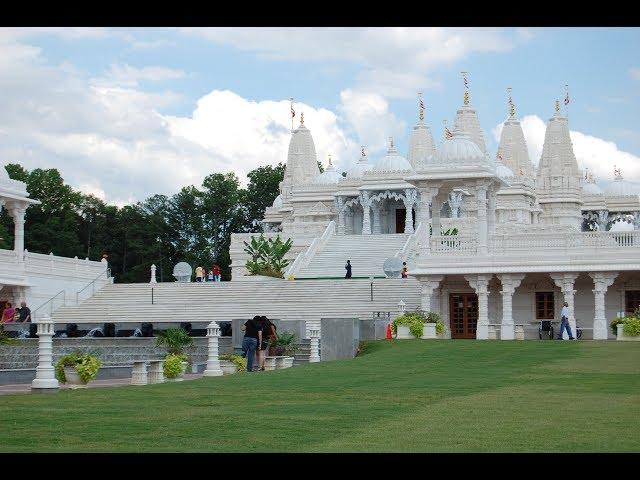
(5, 339)
(239, 362)
(414, 320)
(175, 340)
(632, 327)
(85, 364)
(285, 344)
(614, 324)
(267, 256)
(172, 365)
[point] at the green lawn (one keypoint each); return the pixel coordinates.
(405, 396)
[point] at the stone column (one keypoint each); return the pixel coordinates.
(213, 363)
(17, 212)
(566, 281)
(510, 281)
(366, 218)
(45, 374)
(428, 283)
(409, 199)
(426, 196)
(491, 213)
(601, 282)
(376, 218)
(481, 197)
(314, 335)
(341, 220)
(436, 206)
(153, 274)
(480, 283)
(350, 228)
(455, 202)
(603, 220)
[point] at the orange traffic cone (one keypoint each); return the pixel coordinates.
(389, 337)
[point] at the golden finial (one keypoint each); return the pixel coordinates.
(466, 88)
(617, 172)
(301, 118)
(557, 106)
(421, 106)
(390, 143)
(586, 173)
(330, 161)
(363, 154)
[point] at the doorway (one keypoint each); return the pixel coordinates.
(401, 215)
(463, 312)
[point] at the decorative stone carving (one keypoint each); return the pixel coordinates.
(45, 374)
(480, 283)
(602, 281)
(392, 267)
(213, 363)
(510, 281)
(182, 271)
(428, 284)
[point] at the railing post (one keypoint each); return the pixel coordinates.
(314, 354)
(213, 363)
(45, 374)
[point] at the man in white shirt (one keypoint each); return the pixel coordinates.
(564, 322)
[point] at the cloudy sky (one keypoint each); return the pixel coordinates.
(126, 113)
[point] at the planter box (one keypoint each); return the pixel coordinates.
(429, 331)
(73, 378)
(228, 368)
(621, 336)
(493, 333)
(519, 332)
(270, 363)
(403, 332)
(282, 362)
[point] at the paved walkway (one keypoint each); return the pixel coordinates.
(111, 382)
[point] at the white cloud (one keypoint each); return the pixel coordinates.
(398, 57)
(635, 73)
(128, 76)
(596, 154)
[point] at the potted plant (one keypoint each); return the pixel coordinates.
(283, 350)
(175, 340)
(231, 363)
(629, 329)
(408, 325)
(77, 369)
(267, 256)
(174, 366)
(433, 326)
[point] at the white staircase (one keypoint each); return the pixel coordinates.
(308, 300)
(366, 252)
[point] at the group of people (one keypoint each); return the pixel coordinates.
(259, 332)
(213, 275)
(404, 273)
(21, 314)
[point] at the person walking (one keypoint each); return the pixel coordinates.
(347, 267)
(252, 338)
(199, 274)
(269, 337)
(564, 322)
(217, 275)
(405, 270)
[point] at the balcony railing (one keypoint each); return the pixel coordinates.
(454, 245)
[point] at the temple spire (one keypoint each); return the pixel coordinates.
(512, 107)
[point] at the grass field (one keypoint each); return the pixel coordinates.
(403, 396)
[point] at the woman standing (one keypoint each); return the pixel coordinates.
(252, 338)
(8, 314)
(269, 337)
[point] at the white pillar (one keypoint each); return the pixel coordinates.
(366, 218)
(480, 283)
(601, 281)
(213, 363)
(491, 213)
(429, 283)
(18, 212)
(455, 202)
(510, 281)
(153, 274)
(376, 218)
(45, 374)
(426, 196)
(314, 335)
(566, 281)
(481, 197)
(409, 200)
(436, 206)
(341, 219)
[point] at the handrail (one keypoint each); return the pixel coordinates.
(92, 284)
(51, 309)
(304, 258)
(409, 244)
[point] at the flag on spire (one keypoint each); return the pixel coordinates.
(447, 133)
(566, 98)
(466, 88)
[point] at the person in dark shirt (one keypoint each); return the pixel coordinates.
(348, 269)
(25, 313)
(268, 337)
(252, 338)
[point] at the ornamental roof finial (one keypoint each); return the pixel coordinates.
(617, 173)
(512, 107)
(330, 165)
(363, 154)
(466, 88)
(390, 143)
(557, 106)
(420, 107)
(301, 118)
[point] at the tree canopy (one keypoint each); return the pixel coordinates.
(193, 225)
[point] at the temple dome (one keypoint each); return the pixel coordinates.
(621, 188)
(503, 171)
(361, 166)
(277, 203)
(328, 177)
(460, 149)
(392, 161)
(621, 226)
(591, 189)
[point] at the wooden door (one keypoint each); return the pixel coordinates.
(463, 314)
(401, 215)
